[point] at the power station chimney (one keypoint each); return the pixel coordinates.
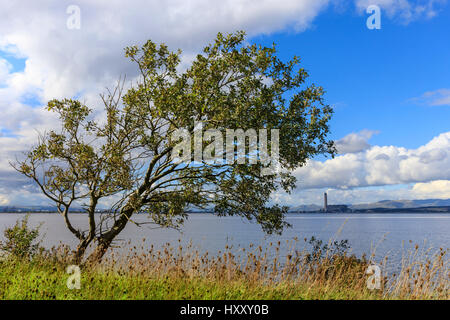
(325, 202)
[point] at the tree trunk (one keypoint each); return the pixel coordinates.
(78, 255)
(80, 251)
(96, 256)
(104, 241)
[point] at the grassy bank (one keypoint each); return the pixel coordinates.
(324, 272)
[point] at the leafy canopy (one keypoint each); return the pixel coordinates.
(127, 155)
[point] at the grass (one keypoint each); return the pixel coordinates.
(324, 272)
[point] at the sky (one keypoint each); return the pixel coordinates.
(389, 87)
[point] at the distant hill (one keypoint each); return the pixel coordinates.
(440, 209)
(381, 206)
(26, 209)
(402, 204)
(305, 208)
(428, 205)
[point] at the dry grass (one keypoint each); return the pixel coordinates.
(182, 272)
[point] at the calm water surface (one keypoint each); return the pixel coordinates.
(385, 234)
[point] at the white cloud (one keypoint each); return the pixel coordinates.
(380, 165)
(63, 62)
(404, 10)
(355, 142)
(5, 68)
(3, 200)
(439, 189)
(440, 97)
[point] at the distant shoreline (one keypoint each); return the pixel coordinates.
(338, 209)
(444, 209)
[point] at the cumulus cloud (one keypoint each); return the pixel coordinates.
(380, 165)
(64, 61)
(355, 142)
(435, 189)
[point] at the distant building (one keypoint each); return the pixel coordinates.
(339, 208)
(325, 202)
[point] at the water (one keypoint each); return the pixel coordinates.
(385, 234)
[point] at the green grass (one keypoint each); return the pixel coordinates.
(185, 274)
(28, 280)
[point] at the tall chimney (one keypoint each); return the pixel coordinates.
(325, 202)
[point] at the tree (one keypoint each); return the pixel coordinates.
(129, 155)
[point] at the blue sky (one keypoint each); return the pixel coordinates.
(17, 63)
(390, 88)
(372, 76)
